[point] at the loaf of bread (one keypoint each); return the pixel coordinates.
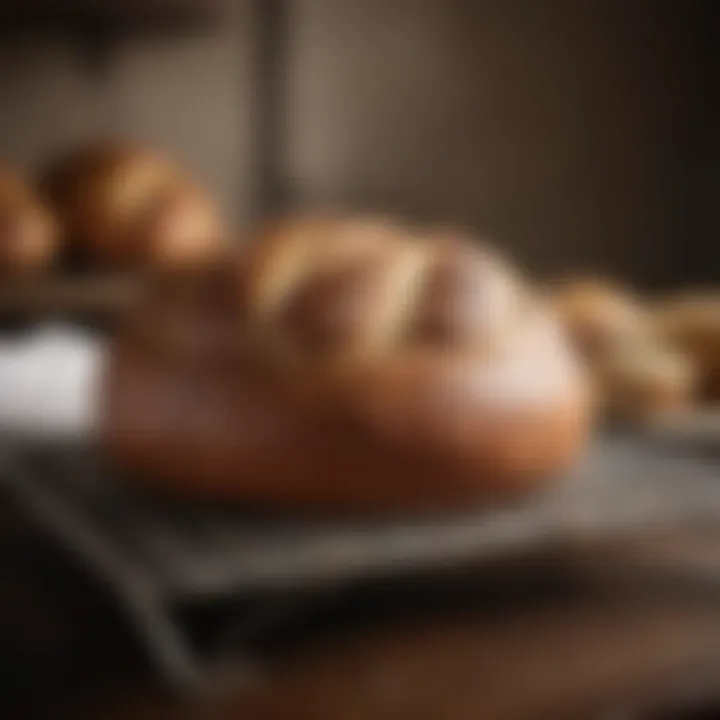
(691, 322)
(127, 208)
(27, 231)
(599, 316)
(345, 365)
(645, 381)
(637, 374)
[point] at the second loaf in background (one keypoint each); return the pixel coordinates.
(639, 375)
(28, 237)
(121, 207)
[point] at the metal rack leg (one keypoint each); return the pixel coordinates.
(167, 646)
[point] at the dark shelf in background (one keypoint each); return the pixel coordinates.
(80, 16)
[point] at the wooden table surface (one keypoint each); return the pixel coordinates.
(547, 663)
(628, 632)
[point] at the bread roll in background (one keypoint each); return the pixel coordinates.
(28, 239)
(127, 208)
(639, 374)
(691, 321)
(643, 382)
(346, 365)
(600, 315)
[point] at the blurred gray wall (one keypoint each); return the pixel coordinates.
(190, 95)
(558, 127)
(562, 128)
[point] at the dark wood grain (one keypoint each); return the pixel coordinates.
(611, 642)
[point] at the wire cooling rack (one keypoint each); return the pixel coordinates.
(156, 556)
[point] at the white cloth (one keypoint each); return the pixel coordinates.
(49, 381)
